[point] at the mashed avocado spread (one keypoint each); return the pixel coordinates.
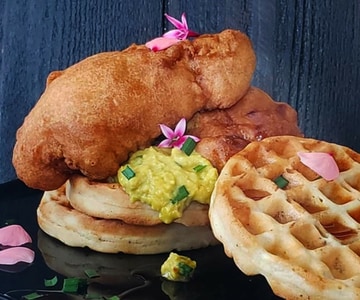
(178, 268)
(168, 180)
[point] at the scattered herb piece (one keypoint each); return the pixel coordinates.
(128, 173)
(91, 273)
(33, 296)
(199, 168)
(51, 282)
(189, 146)
(112, 298)
(181, 194)
(281, 182)
(184, 269)
(74, 285)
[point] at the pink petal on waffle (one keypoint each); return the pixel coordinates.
(11, 256)
(161, 43)
(14, 235)
(322, 163)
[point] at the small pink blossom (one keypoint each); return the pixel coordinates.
(174, 36)
(175, 138)
(322, 163)
(11, 238)
(182, 31)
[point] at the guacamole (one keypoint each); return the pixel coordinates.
(168, 180)
(178, 268)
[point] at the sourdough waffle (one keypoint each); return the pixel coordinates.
(304, 238)
(110, 201)
(59, 219)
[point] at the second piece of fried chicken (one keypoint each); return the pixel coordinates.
(254, 117)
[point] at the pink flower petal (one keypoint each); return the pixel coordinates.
(195, 138)
(165, 143)
(14, 235)
(180, 128)
(184, 22)
(175, 22)
(175, 34)
(322, 163)
(11, 256)
(167, 131)
(179, 142)
(161, 43)
(191, 33)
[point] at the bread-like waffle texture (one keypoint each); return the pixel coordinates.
(304, 238)
(59, 219)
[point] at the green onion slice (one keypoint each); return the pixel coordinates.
(128, 172)
(33, 296)
(113, 298)
(199, 168)
(51, 282)
(182, 193)
(189, 146)
(74, 285)
(281, 182)
(91, 273)
(184, 269)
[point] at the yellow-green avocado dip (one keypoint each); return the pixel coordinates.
(168, 180)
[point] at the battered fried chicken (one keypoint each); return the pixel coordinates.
(254, 117)
(96, 112)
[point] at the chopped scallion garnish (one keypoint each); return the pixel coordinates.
(33, 296)
(51, 282)
(184, 269)
(91, 273)
(199, 168)
(189, 146)
(281, 182)
(113, 298)
(74, 285)
(181, 194)
(128, 173)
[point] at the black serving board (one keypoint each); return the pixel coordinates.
(131, 276)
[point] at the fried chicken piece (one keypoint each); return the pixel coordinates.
(255, 116)
(96, 112)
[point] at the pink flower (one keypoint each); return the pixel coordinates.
(173, 36)
(175, 138)
(322, 163)
(182, 31)
(11, 237)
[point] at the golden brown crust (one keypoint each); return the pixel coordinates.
(93, 114)
(303, 238)
(60, 220)
(110, 201)
(224, 132)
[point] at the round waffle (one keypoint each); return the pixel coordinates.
(59, 219)
(110, 201)
(304, 238)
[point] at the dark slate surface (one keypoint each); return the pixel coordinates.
(308, 52)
